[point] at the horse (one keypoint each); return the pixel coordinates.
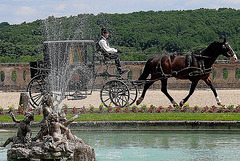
(194, 67)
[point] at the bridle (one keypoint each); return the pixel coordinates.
(230, 52)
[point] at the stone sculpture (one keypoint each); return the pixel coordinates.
(53, 142)
(24, 131)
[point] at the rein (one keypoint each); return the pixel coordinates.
(203, 56)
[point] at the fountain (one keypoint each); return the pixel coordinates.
(54, 141)
(64, 44)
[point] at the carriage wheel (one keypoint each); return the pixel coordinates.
(37, 89)
(133, 92)
(115, 92)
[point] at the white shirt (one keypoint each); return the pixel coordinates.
(104, 45)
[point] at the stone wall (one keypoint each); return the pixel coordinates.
(16, 76)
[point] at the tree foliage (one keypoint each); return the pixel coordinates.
(161, 31)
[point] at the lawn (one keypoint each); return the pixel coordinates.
(143, 117)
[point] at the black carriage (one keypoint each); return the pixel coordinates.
(70, 69)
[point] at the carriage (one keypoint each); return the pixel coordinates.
(62, 77)
(69, 71)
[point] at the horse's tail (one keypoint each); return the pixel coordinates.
(146, 70)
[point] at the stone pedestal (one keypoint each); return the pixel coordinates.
(39, 152)
(24, 100)
(84, 153)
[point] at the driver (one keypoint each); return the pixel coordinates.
(108, 52)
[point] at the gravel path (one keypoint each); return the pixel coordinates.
(155, 97)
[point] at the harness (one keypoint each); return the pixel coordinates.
(190, 60)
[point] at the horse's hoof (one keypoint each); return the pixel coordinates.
(139, 100)
(219, 104)
(218, 101)
(174, 103)
(181, 103)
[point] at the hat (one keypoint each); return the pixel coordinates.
(104, 31)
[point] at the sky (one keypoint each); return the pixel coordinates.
(19, 11)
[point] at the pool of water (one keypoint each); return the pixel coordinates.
(157, 145)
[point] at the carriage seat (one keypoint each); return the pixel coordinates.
(101, 58)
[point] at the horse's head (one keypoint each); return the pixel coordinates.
(228, 51)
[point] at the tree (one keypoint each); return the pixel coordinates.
(161, 31)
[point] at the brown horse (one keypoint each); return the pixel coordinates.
(194, 66)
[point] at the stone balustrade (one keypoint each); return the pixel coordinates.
(16, 76)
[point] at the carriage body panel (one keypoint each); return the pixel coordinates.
(66, 70)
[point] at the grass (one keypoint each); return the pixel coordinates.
(7, 118)
(160, 116)
(143, 117)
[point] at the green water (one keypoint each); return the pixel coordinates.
(158, 145)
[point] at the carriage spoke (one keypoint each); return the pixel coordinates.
(35, 97)
(106, 100)
(105, 94)
(116, 92)
(36, 89)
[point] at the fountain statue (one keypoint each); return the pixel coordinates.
(53, 142)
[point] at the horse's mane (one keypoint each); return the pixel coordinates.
(210, 47)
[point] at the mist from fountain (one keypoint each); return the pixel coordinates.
(61, 71)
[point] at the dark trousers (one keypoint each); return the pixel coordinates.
(116, 58)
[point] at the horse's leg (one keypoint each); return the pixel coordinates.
(209, 83)
(146, 70)
(146, 86)
(144, 76)
(164, 90)
(192, 89)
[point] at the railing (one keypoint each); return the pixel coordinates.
(16, 76)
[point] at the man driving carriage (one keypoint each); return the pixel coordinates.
(109, 53)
